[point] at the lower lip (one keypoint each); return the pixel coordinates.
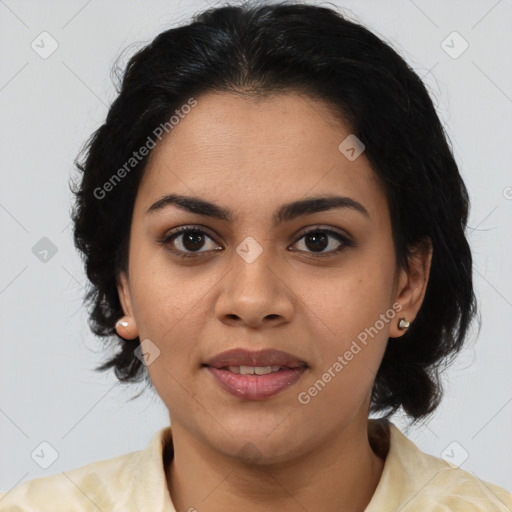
(256, 387)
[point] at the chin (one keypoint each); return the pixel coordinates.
(257, 454)
(257, 446)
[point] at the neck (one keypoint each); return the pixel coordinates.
(341, 474)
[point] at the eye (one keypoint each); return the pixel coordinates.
(187, 239)
(187, 242)
(318, 239)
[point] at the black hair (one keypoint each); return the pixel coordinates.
(255, 49)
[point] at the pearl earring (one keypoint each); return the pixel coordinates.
(403, 324)
(123, 323)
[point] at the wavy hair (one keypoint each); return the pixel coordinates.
(261, 49)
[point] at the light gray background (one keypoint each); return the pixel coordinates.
(49, 107)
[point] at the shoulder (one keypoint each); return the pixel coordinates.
(447, 487)
(414, 480)
(99, 485)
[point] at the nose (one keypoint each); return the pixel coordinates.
(255, 292)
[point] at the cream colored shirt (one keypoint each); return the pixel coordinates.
(412, 481)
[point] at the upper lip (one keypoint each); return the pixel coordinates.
(265, 357)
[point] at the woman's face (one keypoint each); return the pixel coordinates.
(255, 280)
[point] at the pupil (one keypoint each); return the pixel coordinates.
(319, 241)
(192, 241)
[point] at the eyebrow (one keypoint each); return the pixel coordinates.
(284, 213)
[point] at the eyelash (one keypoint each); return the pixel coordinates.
(166, 240)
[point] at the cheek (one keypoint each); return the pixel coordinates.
(166, 291)
(350, 340)
(171, 306)
(350, 335)
(349, 299)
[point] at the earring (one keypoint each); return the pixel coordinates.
(403, 324)
(126, 327)
(123, 323)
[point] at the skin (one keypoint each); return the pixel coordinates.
(251, 155)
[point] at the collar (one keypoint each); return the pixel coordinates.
(149, 484)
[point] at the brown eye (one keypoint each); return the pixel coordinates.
(189, 242)
(192, 240)
(186, 241)
(317, 240)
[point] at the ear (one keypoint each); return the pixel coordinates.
(412, 284)
(123, 290)
(128, 331)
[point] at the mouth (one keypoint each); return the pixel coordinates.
(254, 370)
(255, 375)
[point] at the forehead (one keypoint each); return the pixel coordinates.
(258, 151)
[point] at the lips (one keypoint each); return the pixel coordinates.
(255, 375)
(263, 358)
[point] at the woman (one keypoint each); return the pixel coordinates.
(272, 223)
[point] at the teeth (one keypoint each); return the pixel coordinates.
(251, 370)
(262, 370)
